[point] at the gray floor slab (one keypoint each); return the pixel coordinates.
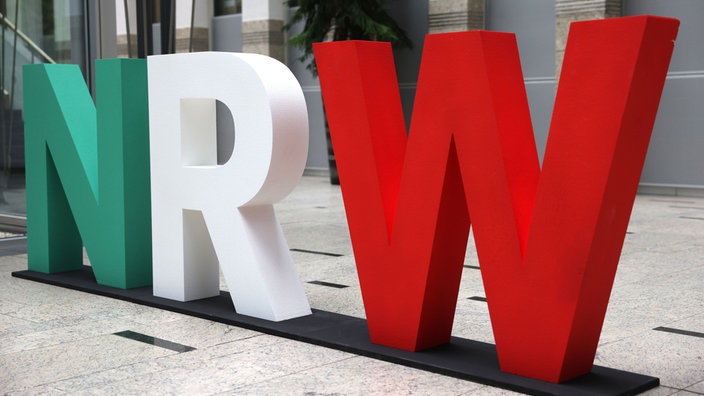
(55, 341)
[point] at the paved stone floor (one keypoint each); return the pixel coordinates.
(55, 340)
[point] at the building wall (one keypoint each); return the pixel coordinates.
(675, 157)
(227, 33)
(317, 148)
(534, 25)
(227, 36)
(674, 161)
(412, 16)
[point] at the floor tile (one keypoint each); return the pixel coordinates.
(371, 377)
(26, 369)
(55, 341)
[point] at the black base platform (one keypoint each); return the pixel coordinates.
(461, 358)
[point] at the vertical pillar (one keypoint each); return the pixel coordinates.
(106, 31)
(456, 15)
(262, 24)
(193, 19)
(145, 32)
(192, 27)
(126, 28)
(568, 11)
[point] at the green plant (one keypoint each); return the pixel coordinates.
(335, 20)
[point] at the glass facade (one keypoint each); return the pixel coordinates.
(32, 31)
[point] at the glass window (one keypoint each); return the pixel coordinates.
(227, 7)
(31, 31)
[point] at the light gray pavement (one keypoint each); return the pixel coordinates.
(55, 340)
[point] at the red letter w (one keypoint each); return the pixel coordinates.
(548, 241)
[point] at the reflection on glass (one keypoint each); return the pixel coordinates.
(31, 31)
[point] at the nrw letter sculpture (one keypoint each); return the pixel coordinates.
(88, 171)
(548, 241)
(209, 213)
(88, 176)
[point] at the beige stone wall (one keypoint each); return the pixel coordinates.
(122, 46)
(200, 39)
(456, 15)
(264, 37)
(201, 42)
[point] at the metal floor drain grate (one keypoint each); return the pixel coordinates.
(317, 252)
(174, 346)
(328, 284)
(680, 332)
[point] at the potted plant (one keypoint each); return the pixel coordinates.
(335, 20)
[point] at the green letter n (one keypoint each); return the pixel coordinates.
(88, 171)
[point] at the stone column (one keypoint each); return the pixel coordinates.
(456, 15)
(567, 11)
(262, 24)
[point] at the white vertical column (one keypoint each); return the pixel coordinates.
(262, 25)
(202, 14)
(126, 27)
